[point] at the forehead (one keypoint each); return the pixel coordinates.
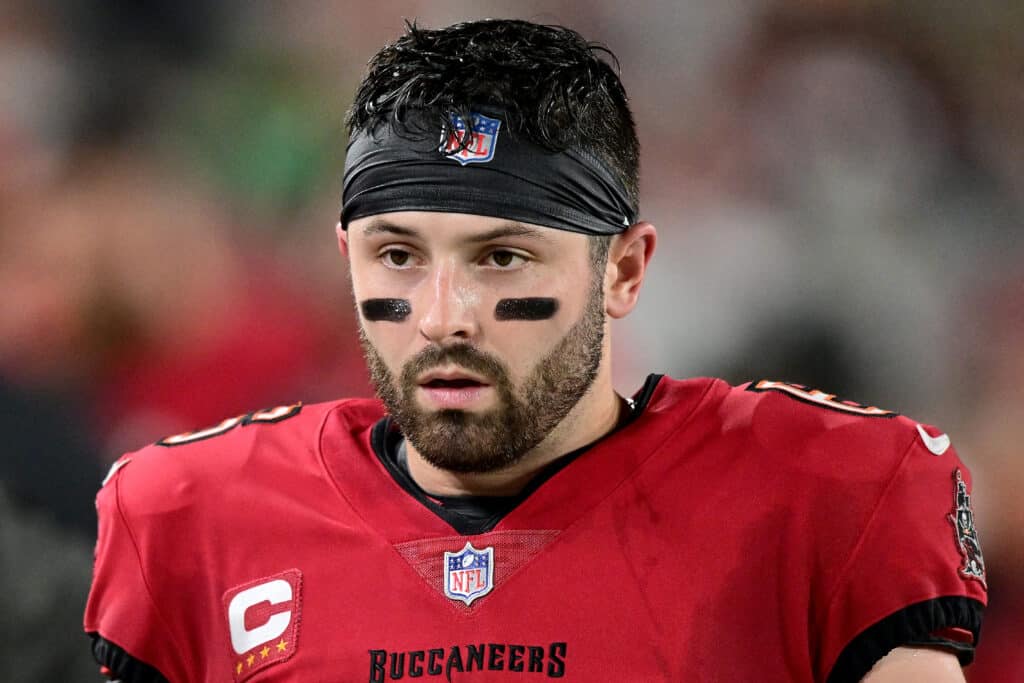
(432, 226)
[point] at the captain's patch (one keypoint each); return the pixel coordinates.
(263, 621)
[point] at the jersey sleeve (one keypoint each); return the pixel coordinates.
(130, 637)
(915, 575)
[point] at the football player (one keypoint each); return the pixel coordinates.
(501, 513)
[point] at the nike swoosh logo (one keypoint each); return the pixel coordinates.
(936, 444)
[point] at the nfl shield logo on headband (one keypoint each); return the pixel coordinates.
(484, 137)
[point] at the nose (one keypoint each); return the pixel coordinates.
(450, 303)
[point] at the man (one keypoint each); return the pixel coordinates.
(505, 515)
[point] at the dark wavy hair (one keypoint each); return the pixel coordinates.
(556, 88)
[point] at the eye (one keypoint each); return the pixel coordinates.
(396, 258)
(502, 258)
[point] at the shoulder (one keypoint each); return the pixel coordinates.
(877, 520)
(901, 483)
(814, 443)
(180, 469)
(821, 432)
(798, 430)
(775, 412)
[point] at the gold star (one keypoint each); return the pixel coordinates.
(238, 669)
(264, 652)
(250, 659)
(282, 645)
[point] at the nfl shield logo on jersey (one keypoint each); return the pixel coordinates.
(469, 573)
(484, 131)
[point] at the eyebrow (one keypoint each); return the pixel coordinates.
(510, 229)
(380, 226)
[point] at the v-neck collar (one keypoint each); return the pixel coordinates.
(387, 498)
(384, 440)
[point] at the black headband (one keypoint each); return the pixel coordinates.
(498, 175)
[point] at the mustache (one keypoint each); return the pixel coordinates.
(463, 355)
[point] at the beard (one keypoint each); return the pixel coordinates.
(467, 442)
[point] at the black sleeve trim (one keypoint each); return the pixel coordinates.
(913, 625)
(125, 667)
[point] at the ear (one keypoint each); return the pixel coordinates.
(628, 257)
(342, 239)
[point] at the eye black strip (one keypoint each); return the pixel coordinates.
(386, 310)
(532, 308)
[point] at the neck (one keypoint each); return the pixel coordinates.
(595, 415)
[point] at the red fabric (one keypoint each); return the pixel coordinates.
(723, 535)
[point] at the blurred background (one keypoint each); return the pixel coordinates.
(838, 185)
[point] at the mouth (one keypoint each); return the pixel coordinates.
(451, 379)
(452, 384)
(453, 389)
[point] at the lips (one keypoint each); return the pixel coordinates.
(451, 379)
(454, 389)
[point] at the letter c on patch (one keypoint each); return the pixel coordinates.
(275, 592)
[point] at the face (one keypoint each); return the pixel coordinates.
(481, 334)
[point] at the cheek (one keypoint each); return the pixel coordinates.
(555, 295)
(528, 308)
(385, 310)
(524, 330)
(387, 346)
(382, 298)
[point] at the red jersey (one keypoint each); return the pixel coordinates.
(764, 532)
